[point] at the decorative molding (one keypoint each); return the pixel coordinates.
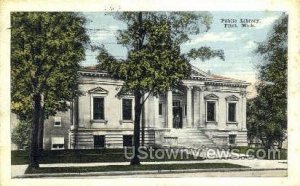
(230, 84)
(211, 97)
(199, 88)
(177, 92)
(189, 87)
(98, 90)
(244, 93)
(93, 74)
(122, 93)
(197, 72)
(103, 121)
(232, 98)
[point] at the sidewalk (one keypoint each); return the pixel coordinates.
(254, 165)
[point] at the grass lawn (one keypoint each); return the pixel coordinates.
(84, 156)
(131, 168)
(257, 154)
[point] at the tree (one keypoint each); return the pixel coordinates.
(46, 49)
(20, 134)
(154, 63)
(267, 116)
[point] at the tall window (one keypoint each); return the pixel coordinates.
(127, 109)
(98, 108)
(160, 109)
(232, 112)
(211, 111)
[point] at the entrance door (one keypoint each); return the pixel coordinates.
(177, 117)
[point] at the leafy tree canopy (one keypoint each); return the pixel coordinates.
(20, 134)
(155, 62)
(46, 48)
(267, 113)
(272, 88)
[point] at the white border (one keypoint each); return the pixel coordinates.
(292, 6)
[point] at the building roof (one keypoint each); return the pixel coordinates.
(197, 74)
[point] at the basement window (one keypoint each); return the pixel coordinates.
(57, 143)
(57, 121)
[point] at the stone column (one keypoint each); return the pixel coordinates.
(156, 114)
(196, 108)
(145, 111)
(169, 109)
(189, 107)
(244, 110)
(202, 107)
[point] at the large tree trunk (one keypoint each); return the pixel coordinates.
(34, 151)
(41, 132)
(136, 134)
(143, 127)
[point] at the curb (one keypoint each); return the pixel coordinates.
(116, 173)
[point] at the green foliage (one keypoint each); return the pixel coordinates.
(154, 62)
(46, 48)
(205, 53)
(21, 134)
(267, 113)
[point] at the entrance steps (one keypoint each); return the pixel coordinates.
(190, 138)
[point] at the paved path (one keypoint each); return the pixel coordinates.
(255, 163)
(266, 173)
(18, 170)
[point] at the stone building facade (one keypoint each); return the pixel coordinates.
(207, 110)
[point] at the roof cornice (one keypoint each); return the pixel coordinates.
(206, 80)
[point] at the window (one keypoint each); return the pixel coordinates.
(127, 140)
(232, 112)
(185, 110)
(160, 109)
(98, 112)
(232, 139)
(57, 143)
(57, 146)
(127, 109)
(210, 111)
(99, 141)
(57, 121)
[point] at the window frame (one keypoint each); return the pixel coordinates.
(57, 139)
(232, 99)
(122, 115)
(160, 109)
(55, 121)
(52, 147)
(227, 112)
(233, 138)
(212, 98)
(215, 111)
(92, 108)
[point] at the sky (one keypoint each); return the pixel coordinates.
(238, 43)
